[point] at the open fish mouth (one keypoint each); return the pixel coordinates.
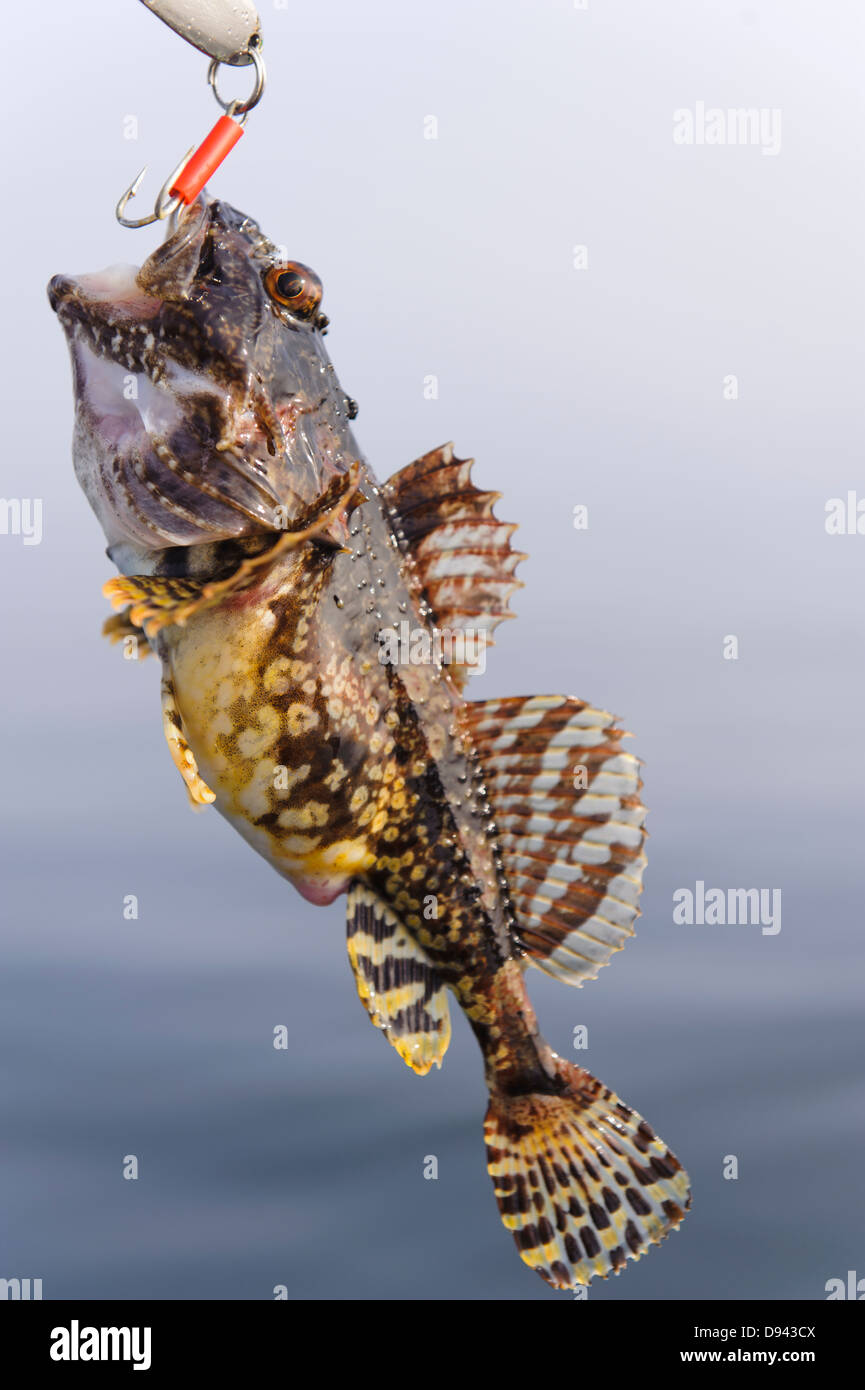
(160, 453)
(205, 408)
(166, 454)
(111, 316)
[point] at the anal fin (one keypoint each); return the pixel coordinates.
(398, 986)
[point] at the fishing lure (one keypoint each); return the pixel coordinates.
(297, 606)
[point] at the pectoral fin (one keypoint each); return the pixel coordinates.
(151, 603)
(155, 602)
(120, 628)
(397, 984)
(199, 793)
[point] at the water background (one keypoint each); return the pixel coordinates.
(603, 387)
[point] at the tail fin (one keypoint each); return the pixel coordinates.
(580, 1179)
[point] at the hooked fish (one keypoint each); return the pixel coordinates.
(293, 602)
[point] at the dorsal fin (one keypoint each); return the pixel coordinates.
(565, 799)
(460, 552)
(398, 986)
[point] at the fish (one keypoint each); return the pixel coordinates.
(297, 607)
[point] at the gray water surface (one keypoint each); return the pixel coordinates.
(154, 1037)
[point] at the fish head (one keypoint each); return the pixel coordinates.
(206, 407)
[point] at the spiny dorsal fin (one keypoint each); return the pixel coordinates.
(461, 553)
(571, 839)
(400, 989)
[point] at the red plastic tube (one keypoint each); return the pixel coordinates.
(206, 159)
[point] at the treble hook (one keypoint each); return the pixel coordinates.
(210, 153)
(165, 204)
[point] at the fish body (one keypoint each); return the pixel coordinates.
(295, 603)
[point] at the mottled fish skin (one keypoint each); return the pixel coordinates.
(379, 780)
(263, 563)
(334, 765)
(205, 410)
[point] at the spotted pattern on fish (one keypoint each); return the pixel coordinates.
(265, 566)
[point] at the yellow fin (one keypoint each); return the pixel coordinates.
(120, 627)
(582, 1181)
(200, 794)
(155, 602)
(398, 986)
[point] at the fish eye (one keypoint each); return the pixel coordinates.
(295, 287)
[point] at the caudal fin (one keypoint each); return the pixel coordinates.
(581, 1180)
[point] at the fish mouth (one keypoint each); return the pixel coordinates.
(200, 413)
(111, 315)
(117, 313)
(155, 469)
(156, 450)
